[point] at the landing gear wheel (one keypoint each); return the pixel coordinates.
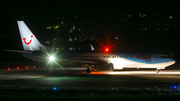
(157, 71)
(88, 71)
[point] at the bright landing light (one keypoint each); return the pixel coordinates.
(51, 58)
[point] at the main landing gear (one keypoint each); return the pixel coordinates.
(89, 70)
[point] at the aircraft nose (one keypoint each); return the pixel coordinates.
(171, 60)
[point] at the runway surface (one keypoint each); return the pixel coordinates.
(77, 78)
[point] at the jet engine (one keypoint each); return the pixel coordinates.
(104, 67)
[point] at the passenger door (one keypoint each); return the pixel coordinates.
(153, 57)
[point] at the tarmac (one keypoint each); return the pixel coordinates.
(76, 77)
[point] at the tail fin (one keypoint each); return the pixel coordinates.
(92, 48)
(29, 41)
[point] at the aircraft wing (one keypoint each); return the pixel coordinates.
(80, 61)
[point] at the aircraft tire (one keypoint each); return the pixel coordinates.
(157, 71)
(88, 71)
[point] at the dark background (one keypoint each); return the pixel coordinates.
(133, 25)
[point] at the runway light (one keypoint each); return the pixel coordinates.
(175, 87)
(54, 88)
(5, 85)
(34, 66)
(26, 67)
(17, 67)
(8, 68)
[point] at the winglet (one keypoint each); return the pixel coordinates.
(92, 48)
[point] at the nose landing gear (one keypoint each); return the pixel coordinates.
(157, 70)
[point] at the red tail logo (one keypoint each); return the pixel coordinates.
(27, 43)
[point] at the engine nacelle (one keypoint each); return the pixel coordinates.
(104, 67)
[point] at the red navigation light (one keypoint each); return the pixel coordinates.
(106, 49)
(17, 67)
(26, 67)
(8, 68)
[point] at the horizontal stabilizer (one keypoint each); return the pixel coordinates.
(18, 51)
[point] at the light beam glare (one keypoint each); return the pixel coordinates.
(108, 45)
(60, 66)
(45, 51)
(111, 46)
(49, 63)
(100, 43)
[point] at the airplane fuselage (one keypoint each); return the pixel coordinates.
(103, 60)
(118, 59)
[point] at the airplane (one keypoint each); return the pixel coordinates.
(96, 60)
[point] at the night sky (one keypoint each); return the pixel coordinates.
(89, 7)
(11, 10)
